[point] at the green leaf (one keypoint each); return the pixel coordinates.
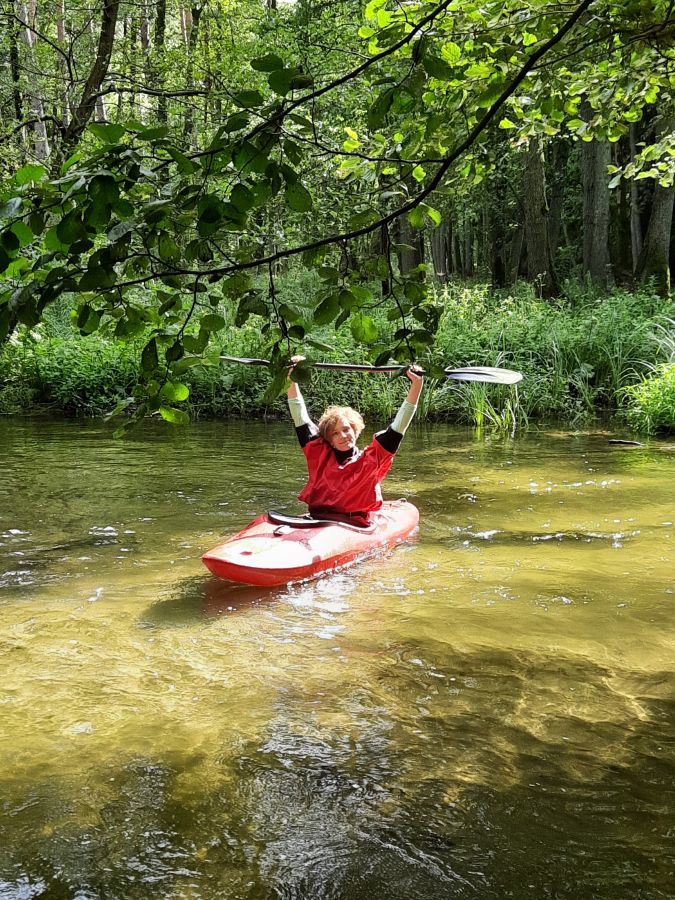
(30, 173)
(276, 386)
(52, 243)
(104, 189)
(236, 122)
(174, 416)
(379, 109)
(433, 214)
(167, 248)
(298, 197)
(212, 322)
(301, 81)
(153, 134)
(149, 358)
(529, 39)
(174, 391)
(280, 81)
(196, 344)
(109, 134)
(479, 70)
(70, 229)
(97, 279)
(9, 241)
(416, 217)
(506, 123)
(438, 68)
(185, 166)
(23, 233)
(348, 300)
(248, 99)
(488, 97)
(268, 63)
(119, 231)
(174, 352)
(88, 320)
(452, 53)
(363, 328)
(327, 310)
(242, 198)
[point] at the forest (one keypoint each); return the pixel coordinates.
(448, 182)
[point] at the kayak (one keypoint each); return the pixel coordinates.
(275, 549)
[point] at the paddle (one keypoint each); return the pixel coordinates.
(485, 374)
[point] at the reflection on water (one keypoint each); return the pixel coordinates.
(485, 712)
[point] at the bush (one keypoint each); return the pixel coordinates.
(651, 403)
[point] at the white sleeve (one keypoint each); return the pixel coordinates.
(299, 412)
(404, 417)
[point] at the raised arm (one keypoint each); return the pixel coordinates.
(305, 429)
(407, 410)
(392, 437)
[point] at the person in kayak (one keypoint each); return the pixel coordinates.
(344, 482)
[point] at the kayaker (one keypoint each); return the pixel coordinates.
(344, 482)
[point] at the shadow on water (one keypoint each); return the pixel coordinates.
(389, 808)
(203, 598)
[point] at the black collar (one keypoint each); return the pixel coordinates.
(344, 456)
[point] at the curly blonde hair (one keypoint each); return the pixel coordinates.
(330, 417)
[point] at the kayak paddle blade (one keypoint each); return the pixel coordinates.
(485, 374)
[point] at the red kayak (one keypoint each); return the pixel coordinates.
(276, 549)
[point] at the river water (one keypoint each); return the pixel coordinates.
(485, 712)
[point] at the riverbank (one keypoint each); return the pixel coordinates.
(581, 358)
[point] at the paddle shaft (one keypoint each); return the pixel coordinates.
(469, 373)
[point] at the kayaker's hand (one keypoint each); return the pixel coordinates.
(295, 360)
(293, 389)
(416, 378)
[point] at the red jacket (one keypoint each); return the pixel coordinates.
(348, 488)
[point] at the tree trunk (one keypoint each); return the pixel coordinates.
(654, 261)
(635, 223)
(160, 34)
(17, 99)
(99, 70)
(539, 268)
(558, 164)
(467, 248)
(188, 127)
(595, 157)
(517, 244)
(439, 252)
(411, 246)
(384, 249)
(41, 141)
(63, 68)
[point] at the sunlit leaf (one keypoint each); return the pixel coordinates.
(174, 416)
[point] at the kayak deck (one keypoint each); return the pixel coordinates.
(267, 553)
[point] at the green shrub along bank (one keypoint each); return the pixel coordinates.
(581, 357)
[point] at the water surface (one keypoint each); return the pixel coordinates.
(485, 712)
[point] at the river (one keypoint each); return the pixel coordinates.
(485, 712)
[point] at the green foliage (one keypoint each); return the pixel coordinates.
(651, 403)
(577, 360)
